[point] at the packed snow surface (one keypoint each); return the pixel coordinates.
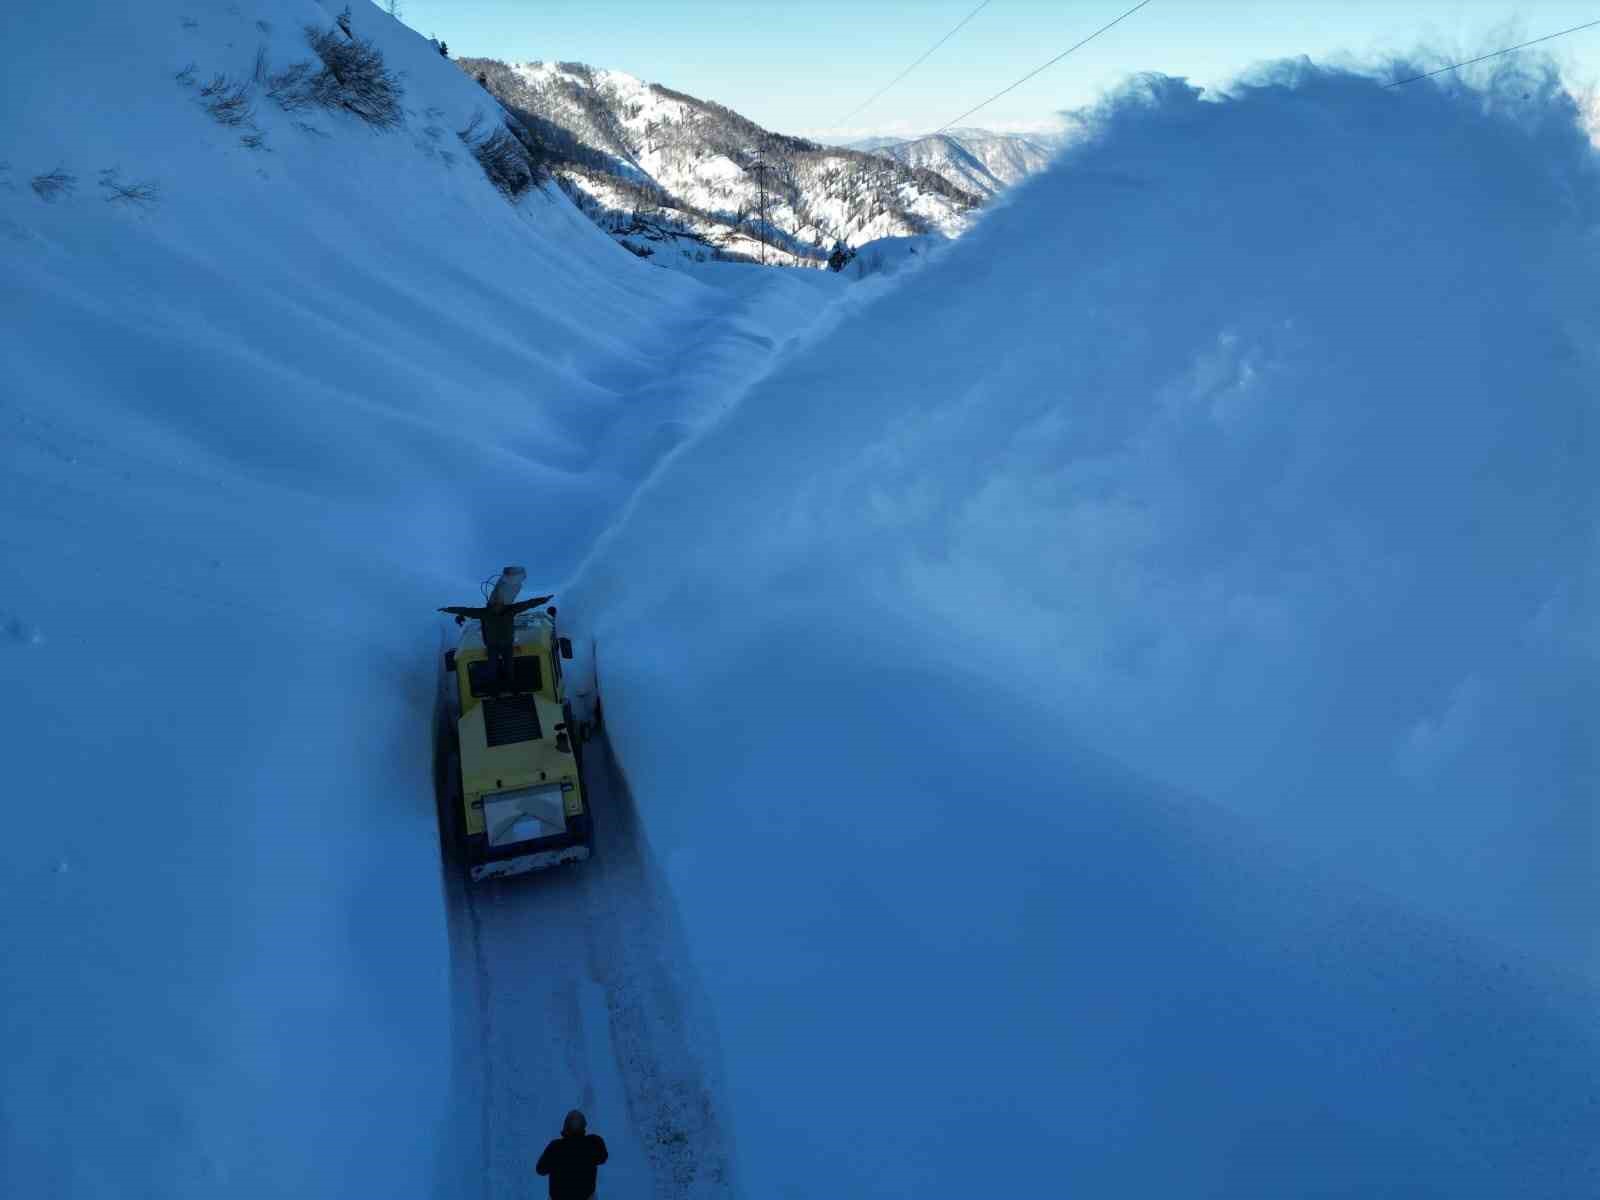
(1109, 712)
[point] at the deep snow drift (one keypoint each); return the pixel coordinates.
(251, 434)
(1119, 716)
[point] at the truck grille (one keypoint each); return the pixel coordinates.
(510, 719)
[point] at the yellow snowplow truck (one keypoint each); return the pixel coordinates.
(516, 772)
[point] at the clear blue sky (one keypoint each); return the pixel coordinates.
(801, 67)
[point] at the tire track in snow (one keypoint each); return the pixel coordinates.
(576, 983)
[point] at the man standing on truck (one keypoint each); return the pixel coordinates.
(573, 1160)
(498, 620)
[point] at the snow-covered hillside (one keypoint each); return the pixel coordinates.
(652, 165)
(974, 160)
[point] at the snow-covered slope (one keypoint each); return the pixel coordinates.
(295, 385)
(647, 162)
(974, 160)
(1119, 713)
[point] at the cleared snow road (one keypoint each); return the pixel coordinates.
(571, 989)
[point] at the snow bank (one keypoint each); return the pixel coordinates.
(258, 422)
(1119, 715)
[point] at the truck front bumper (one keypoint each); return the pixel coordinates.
(521, 864)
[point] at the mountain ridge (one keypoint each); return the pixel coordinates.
(977, 160)
(654, 166)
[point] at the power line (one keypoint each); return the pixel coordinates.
(1036, 70)
(916, 64)
(1018, 83)
(1520, 46)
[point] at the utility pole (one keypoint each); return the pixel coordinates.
(761, 209)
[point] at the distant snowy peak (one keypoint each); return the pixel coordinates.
(871, 144)
(975, 160)
(653, 165)
(1009, 157)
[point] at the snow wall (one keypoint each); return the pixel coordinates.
(252, 432)
(1119, 713)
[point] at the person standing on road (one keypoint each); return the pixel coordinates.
(573, 1160)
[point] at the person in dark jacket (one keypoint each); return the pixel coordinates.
(498, 621)
(573, 1160)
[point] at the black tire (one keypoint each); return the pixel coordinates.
(452, 824)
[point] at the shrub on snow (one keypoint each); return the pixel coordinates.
(504, 157)
(354, 77)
